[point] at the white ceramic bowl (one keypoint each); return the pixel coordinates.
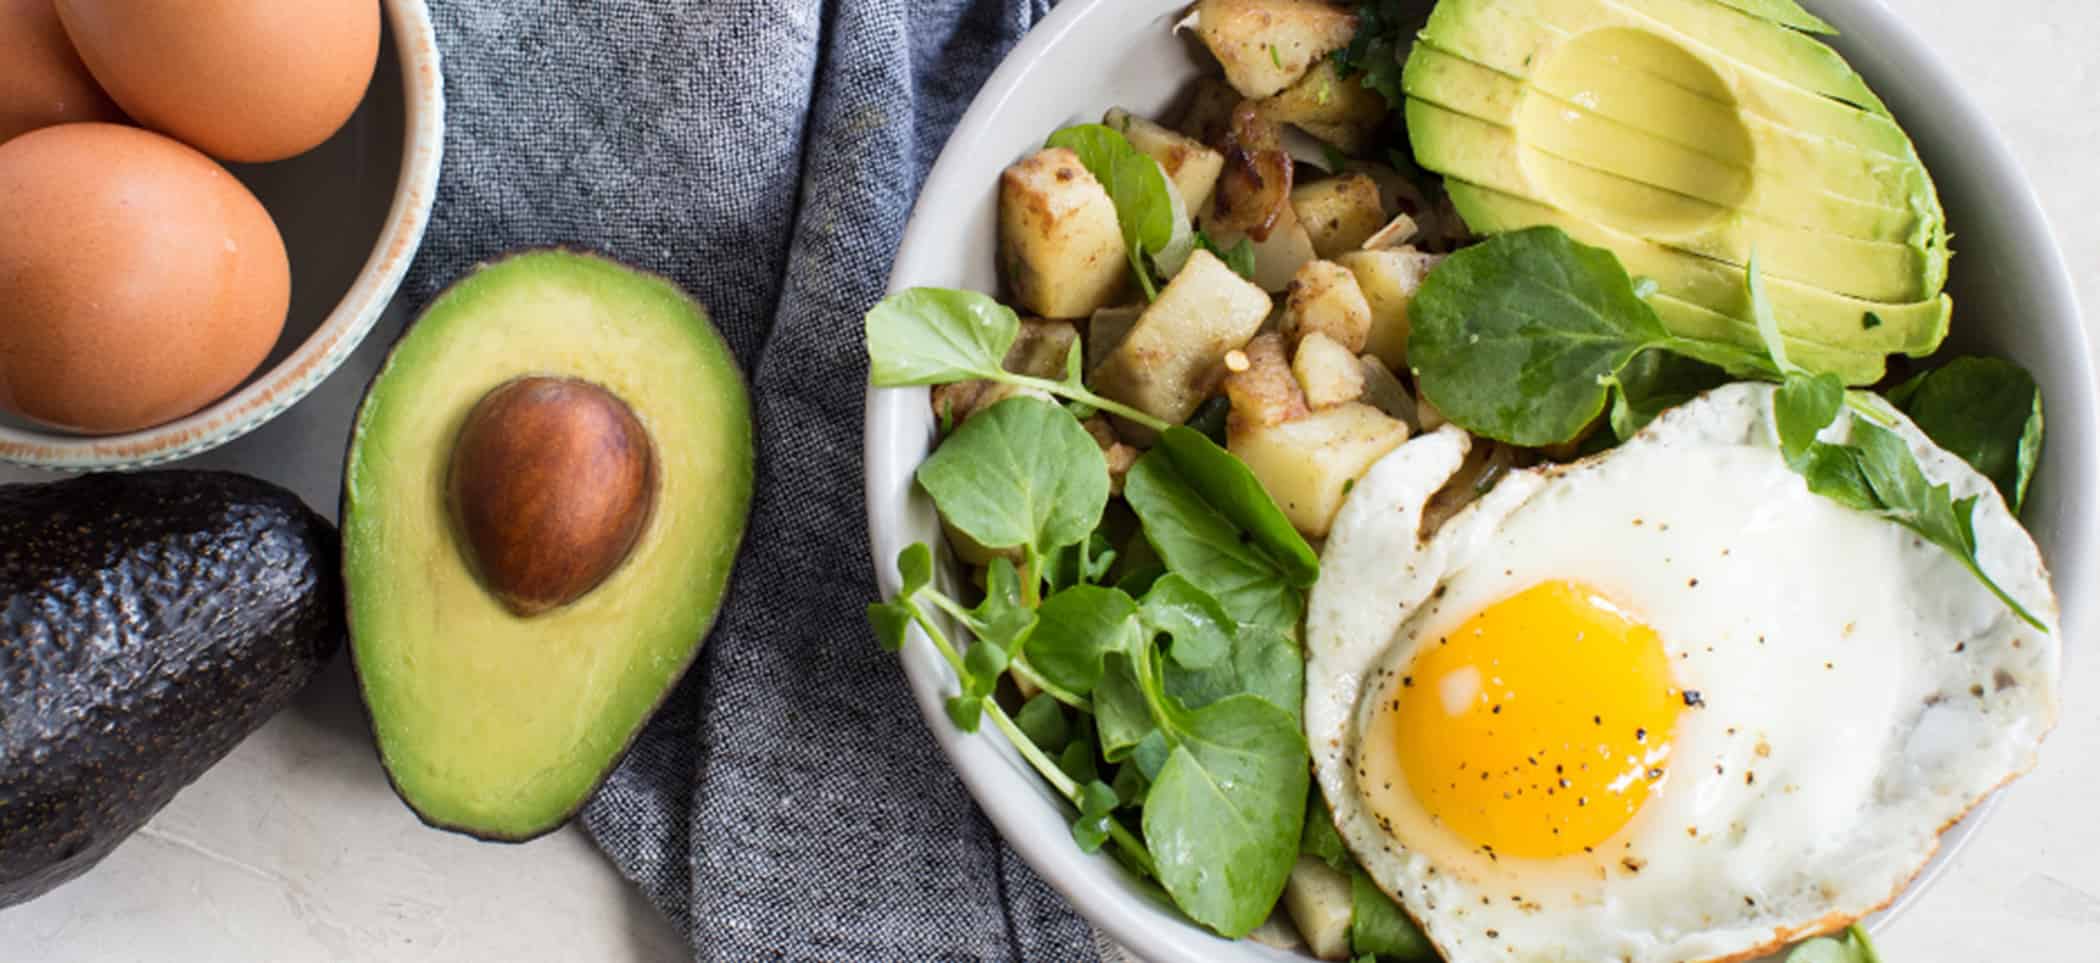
(352, 212)
(2012, 292)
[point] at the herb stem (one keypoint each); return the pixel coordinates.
(1085, 397)
(1042, 764)
(955, 611)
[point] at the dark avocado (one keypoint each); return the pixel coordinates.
(546, 488)
(148, 624)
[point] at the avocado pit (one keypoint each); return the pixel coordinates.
(551, 483)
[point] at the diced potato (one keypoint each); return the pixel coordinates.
(1267, 45)
(1108, 328)
(1058, 237)
(1324, 297)
(1328, 372)
(1339, 110)
(1192, 166)
(1120, 456)
(1260, 386)
(1039, 350)
(1340, 213)
(1397, 232)
(1383, 391)
(1389, 279)
(1168, 363)
(1308, 464)
(1321, 903)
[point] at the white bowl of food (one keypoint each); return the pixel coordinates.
(1647, 339)
(201, 240)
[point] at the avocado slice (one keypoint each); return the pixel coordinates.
(1815, 323)
(1511, 41)
(148, 624)
(1688, 136)
(1714, 30)
(1670, 138)
(1492, 156)
(546, 487)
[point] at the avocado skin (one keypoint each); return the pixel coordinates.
(148, 624)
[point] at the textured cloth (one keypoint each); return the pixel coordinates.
(788, 802)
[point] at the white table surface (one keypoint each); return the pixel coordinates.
(294, 849)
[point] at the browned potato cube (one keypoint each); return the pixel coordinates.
(1339, 110)
(1389, 279)
(1340, 213)
(1321, 903)
(1267, 45)
(1170, 360)
(1324, 297)
(1328, 372)
(1260, 386)
(1058, 238)
(1308, 464)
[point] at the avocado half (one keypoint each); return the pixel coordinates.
(546, 488)
(1686, 136)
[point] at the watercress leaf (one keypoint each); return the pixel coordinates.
(1042, 720)
(984, 662)
(915, 568)
(1151, 754)
(1226, 484)
(1225, 811)
(1020, 473)
(1910, 499)
(1264, 663)
(1137, 185)
(1121, 715)
(1138, 581)
(1852, 947)
(1076, 629)
(1172, 256)
(1089, 833)
(1209, 419)
(1200, 631)
(1834, 472)
(1078, 761)
(1085, 562)
(926, 336)
(1521, 336)
(966, 711)
(1097, 798)
(1003, 618)
(1654, 382)
(1377, 925)
(1988, 411)
(1131, 785)
(1320, 840)
(1801, 408)
(890, 620)
(1202, 545)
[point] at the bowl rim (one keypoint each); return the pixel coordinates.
(339, 334)
(1001, 782)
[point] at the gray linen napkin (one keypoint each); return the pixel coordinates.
(788, 803)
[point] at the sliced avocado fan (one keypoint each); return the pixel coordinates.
(546, 487)
(1686, 136)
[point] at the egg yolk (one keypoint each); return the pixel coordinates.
(1535, 729)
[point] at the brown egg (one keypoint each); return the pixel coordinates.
(241, 80)
(42, 81)
(139, 281)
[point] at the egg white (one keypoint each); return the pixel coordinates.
(1861, 689)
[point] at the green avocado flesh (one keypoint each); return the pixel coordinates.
(1688, 136)
(498, 725)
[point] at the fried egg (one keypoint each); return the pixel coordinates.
(1664, 703)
